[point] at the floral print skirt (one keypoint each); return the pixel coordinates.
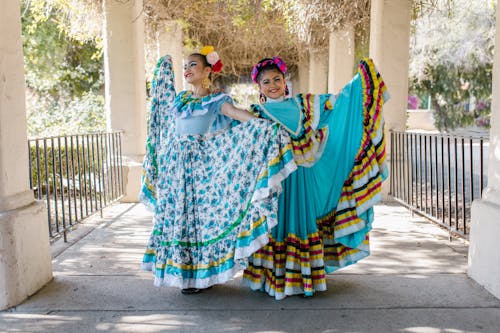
(216, 202)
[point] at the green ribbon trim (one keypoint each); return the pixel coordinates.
(213, 240)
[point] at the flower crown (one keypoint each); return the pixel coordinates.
(212, 58)
(266, 62)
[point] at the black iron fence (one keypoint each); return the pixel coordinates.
(439, 176)
(77, 176)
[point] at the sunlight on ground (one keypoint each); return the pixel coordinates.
(415, 276)
(29, 321)
(148, 323)
(424, 329)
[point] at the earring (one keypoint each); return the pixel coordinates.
(262, 98)
(205, 83)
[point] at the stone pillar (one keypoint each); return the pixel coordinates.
(484, 249)
(389, 48)
(301, 84)
(318, 72)
(293, 83)
(312, 74)
(170, 41)
(25, 260)
(125, 86)
(340, 59)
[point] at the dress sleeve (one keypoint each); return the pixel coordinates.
(160, 128)
(215, 103)
(300, 116)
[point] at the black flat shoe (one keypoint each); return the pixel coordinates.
(190, 291)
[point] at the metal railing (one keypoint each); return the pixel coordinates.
(77, 176)
(438, 176)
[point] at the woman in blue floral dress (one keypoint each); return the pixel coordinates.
(326, 207)
(212, 183)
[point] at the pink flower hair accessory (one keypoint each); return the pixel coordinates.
(266, 62)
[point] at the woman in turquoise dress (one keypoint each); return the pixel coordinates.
(326, 207)
(212, 183)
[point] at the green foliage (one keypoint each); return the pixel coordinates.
(64, 75)
(50, 165)
(47, 116)
(451, 88)
(451, 61)
(79, 19)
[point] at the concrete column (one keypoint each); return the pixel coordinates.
(318, 72)
(169, 41)
(126, 85)
(389, 48)
(25, 260)
(340, 59)
(312, 74)
(484, 250)
(301, 84)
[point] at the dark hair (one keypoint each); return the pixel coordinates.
(203, 59)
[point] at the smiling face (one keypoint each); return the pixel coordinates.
(195, 69)
(272, 84)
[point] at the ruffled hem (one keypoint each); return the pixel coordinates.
(221, 272)
(362, 189)
(267, 285)
(274, 181)
(147, 196)
(296, 275)
(310, 146)
(338, 255)
(292, 267)
(175, 281)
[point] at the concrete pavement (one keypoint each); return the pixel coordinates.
(414, 281)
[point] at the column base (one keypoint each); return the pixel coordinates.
(25, 259)
(14, 201)
(132, 173)
(484, 249)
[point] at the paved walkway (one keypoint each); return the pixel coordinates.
(414, 281)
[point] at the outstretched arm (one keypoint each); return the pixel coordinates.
(160, 128)
(236, 113)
